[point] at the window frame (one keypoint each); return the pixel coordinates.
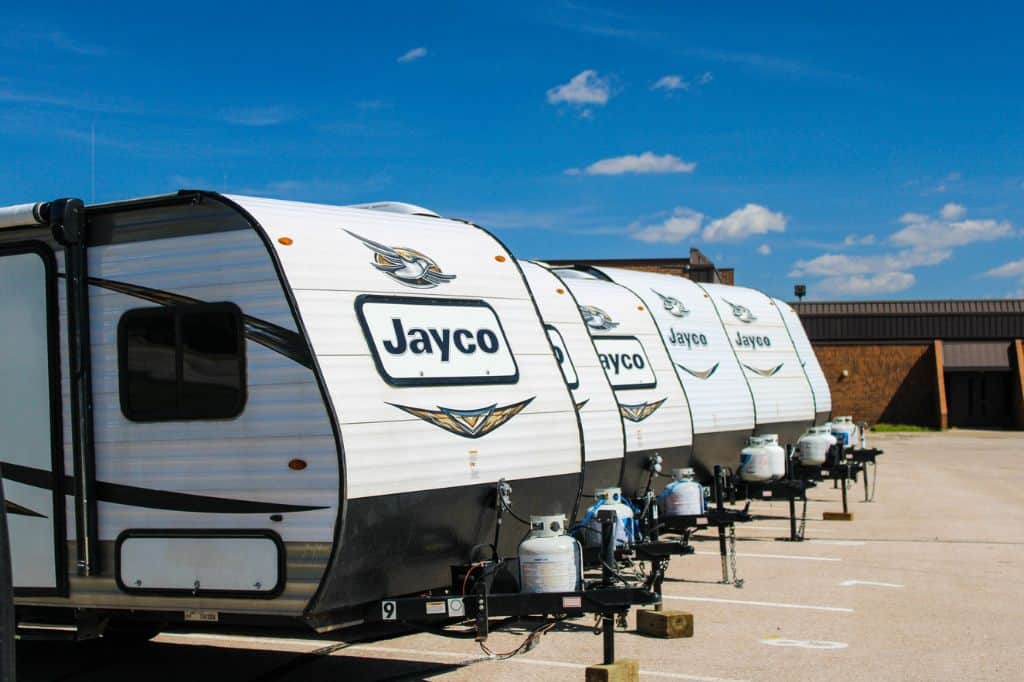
(177, 312)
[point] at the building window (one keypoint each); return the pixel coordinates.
(182, 362)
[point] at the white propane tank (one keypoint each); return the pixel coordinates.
(755, 462)
(609, 498)
(683, 496)
(814, 445)
(844, 430)
(549, 560)
(776, 455)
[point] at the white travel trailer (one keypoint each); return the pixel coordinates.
(604, 439)
(783, 403)
(247, 411)
(819, 384)
(704, 360)
(653, 405)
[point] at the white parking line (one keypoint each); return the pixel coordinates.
(780, 605)
(871, 583)
(774, 556)
(461, 657)
(528, 661)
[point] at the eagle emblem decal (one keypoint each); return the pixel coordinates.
(705, 374)
(597, 318)
(741, 312)
(765, 372)
(674, 306)
(406, 266)
(640, 411)
(467, 423)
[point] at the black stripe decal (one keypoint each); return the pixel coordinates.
(278, 339)
(18, 510)
(149, 498)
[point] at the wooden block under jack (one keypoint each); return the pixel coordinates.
(837, 516)
(665, 624)
(624, 670)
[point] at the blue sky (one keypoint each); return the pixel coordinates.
(870, 151)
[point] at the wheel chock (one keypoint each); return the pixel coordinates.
(837, 516)
(664, 624)
(624, 670)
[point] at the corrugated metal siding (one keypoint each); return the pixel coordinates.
(993, 355)
(912, 320)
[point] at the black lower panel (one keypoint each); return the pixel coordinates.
(789, 432)
(718, 447)
(606, 473)
(822, 417)
(406, 543)
(635, 470)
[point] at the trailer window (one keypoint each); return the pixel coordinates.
(182, 362)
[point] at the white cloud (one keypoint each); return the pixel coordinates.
(764, 250)
(949, 229)
(683, 223)
(1014, 268)
(953, 211)
(859, 240)
(837, 264)
(413, 54)
(743, 222)
(257, 117)
(863, 285)
(586, 87)
(648, 162)
(671, 82)
(705, 78)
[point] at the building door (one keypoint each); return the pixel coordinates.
(978, 399)
(30, 432)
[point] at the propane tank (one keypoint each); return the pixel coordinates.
(814, 445)
(776, 455)
(609, 498)
(755, 463)
(549, 560)
(683, 496)
(844, 430)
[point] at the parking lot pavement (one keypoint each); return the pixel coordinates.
(925, 583)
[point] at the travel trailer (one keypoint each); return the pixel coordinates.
(652, 403)
(703, 359)
(246, 411)
(809, 360)
(604, 438)
(783, 403)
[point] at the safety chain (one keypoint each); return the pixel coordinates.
(736, 580)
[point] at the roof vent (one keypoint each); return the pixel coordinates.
(398, 207)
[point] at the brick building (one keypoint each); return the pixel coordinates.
(930, 363)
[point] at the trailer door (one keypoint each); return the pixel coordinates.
(30, 431)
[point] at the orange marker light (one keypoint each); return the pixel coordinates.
(297, 464)
(640, 308)
(500, 259)
(287, 241)
(559, 291)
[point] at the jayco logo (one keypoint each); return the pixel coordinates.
(688, 339)
(752, 341)
(421, 341)
(615, 362)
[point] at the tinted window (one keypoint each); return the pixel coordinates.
(182, 362)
